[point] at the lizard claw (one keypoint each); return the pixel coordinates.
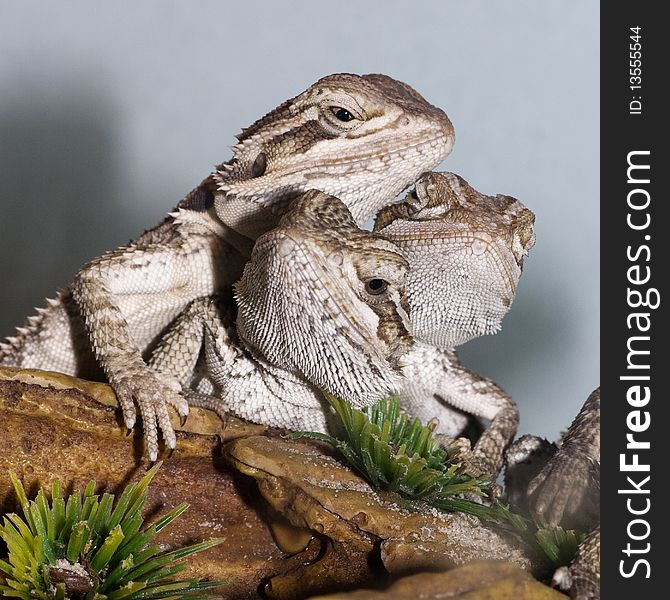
(460, 451)
(152, 392)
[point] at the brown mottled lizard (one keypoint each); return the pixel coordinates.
(362, 138)
(324, 305)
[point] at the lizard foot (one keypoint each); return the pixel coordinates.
(460, 451)
(560, 489)
(152, 392)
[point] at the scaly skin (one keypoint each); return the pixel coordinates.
(565, 490)
(465, 252)
(583, 581)
(324, 299)
(321, 306)
(363, 138)
(568, 490)
(306, 324)
(568, 480)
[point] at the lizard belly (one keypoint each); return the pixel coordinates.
(207, 264)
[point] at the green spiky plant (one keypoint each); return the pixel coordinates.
(396, 453)
(91, 548)
(556, 546)
(401, 455)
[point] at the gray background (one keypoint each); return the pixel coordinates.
(110, 112)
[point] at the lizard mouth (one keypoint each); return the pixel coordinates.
(375, 153)
(231, 181)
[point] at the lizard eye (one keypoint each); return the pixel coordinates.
(341, 114)
(375, 287)
(260, 164)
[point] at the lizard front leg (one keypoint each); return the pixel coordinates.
(127, 298)
(244, 384)
(121, 359)
(178, 351)
(437, 383)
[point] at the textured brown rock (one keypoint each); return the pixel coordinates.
(48, 434)
(295, 521)
(475, 581)
(365, 531)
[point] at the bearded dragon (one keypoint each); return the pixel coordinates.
(561, 485)
(323, 305)
(363, 138)
(465, 252)
(320, 306)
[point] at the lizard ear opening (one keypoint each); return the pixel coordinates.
(260, 165)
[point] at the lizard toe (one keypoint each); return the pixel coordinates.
(150, 428)
(165, 426)
(124, 396)
(213, 403)
(152, 393)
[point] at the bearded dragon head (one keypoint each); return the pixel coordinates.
(465, 252)
(361, 138)
(325, 299)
